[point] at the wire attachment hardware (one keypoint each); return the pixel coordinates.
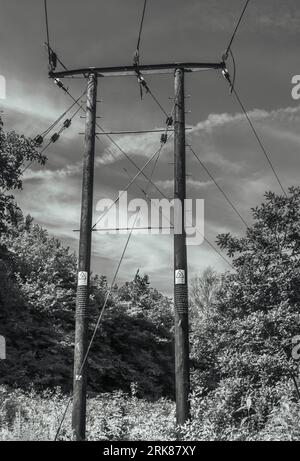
(170, 121)
(164, 138)
(227, 77)
(38, 140)
(55, 137)
(67, 123)
(52, 61)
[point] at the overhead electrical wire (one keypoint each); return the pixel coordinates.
(196, 230)
(129, 184)
(157, 102)
(218, 186)
(164, 140)
(136, 62)
(144, 191)
(50, 50)
(234, 91)
(66, 90)
(53, 125)
(163, 137)
(55, 136)
(169, 122)
(128, 158)
(225, 56)
(47, 28)
(136, 57)
(263, 149)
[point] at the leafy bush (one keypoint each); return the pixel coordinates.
(242, 347)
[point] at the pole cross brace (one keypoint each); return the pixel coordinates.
(124, 71)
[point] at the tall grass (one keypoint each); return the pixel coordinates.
(36, 416)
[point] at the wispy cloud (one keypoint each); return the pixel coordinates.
(48, 175)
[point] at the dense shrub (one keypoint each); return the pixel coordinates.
(113, 416)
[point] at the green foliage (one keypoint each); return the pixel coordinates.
(37, 305)
(203, 293)
(15, 151)
(242, 348)
(283, 422)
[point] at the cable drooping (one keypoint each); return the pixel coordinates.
(219, 187)
(136, 58)
(267, 156)
(51, 51)
(234, 71)
(164, 140)
(66, 90)
(245, 112)
(225, 56)
(56, 136)
(128, 185)
(53, 125)
(150, 180)
(128, 158)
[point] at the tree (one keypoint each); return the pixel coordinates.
(15, 152)
(246, 343)
(203, 293)
(37, 306)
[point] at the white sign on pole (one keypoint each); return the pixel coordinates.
(180, 277)
(82, 279)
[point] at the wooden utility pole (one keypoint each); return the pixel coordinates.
(182, 373)
(81, 328)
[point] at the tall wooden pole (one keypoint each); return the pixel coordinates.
(81, 328)
(182, 373)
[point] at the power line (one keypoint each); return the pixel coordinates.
(47, 28)
(153, 169)
(143, 84)
(128, 186)
(235, 30)
(58, 59)
(157, 153)
(141, 29)
(66, 90)
(56, 136)
(157, 102)
(141, 171)
(150, 181)
(169, 122)
(259, 140)
(61, 116)
(128, 158)
(216, 250)
(219, 187)
(172, 225)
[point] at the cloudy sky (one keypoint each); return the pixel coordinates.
(104, 33)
